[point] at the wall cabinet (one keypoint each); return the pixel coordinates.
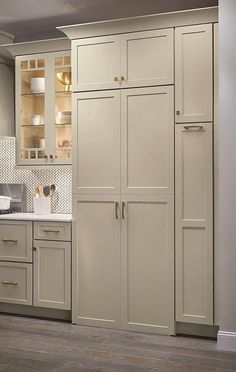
(7, 99)
(138, 121)
(193, 73)
(194, 223)
(43, 109)
(127, 60)
(127, 240)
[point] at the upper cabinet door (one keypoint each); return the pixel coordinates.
(147, 58)
(96, 63)
(96, 163)
(147, 141)
(193, 73)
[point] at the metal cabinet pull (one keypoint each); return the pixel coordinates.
(51, 231)
(51, 156)
(178, 112)
(45, 156)
(116, 78)
(122, 78)
(117, 210)
(10, 240)
(187, 127)
(9, 283)
(123, 211)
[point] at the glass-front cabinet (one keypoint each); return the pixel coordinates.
(43, 109)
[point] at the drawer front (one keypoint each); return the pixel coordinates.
(16, 283)
(16, 241)
(52, 231)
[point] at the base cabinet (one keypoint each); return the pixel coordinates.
(51, 264)
(194, 224)
(127, 240)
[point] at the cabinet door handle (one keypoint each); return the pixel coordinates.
(51, 231)
(45, 156)
(10, 240)
(122, 78)
(9, 283)
(116, 78)
(51, 156)
(123, 211)
(117, 210)
(178, 112)
(187, 127)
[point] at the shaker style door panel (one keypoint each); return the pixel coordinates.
(147, 58)
(52, 274)
(16, 241)
(96, 261)
(96, 163)
(148, 263)
(193, 73)
(96, 63)
(194, 225)
(147, 141)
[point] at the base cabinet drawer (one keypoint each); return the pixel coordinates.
(52, 231)
(16, 283)
(52, 274)
(16, 241)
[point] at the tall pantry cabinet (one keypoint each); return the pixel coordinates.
(124, 182)
(142, 172)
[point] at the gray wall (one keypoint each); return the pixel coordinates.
(227, 166)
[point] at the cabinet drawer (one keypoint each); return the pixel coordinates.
(52, 231)
(16, 283)
(16, 241)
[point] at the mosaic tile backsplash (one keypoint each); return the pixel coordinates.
(61, 201)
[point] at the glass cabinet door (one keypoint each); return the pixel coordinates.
(31, 113)
(63, 127)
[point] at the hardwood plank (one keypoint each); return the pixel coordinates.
(28, 344)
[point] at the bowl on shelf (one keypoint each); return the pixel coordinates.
(63, 117)
(38, 85)
(65, 79)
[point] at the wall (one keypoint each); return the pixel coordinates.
(227, 175)
(62, 178)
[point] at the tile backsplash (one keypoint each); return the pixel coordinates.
(61, 201)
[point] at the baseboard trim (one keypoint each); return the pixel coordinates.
(226, 341)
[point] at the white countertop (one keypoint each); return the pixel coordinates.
(37, 217)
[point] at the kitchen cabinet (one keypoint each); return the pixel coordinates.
(147, 263)
(138, 121)
(7, 99)
(127, 240)
(122, 61)
(16, 283)
(44, 278)
(194, 223)
(193, 73)
(52, 274)
(43, 109)
(96, 261)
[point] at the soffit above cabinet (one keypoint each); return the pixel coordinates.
(143, 23)
(39, 46)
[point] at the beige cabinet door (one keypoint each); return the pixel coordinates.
(147, 141)
(193, 73)
(147, 260)
(52, 274)
(96, 136)
(96, 63)
(147, 58)
(96, 261)
(194, 230)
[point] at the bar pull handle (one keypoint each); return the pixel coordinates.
(117, 210)
(187, 127)
(9, 283)
(51, 231)
(123, 211)
(10, 240)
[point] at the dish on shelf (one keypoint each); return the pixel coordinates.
(63, 117)
(37, 85)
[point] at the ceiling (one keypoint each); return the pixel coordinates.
(37, 19)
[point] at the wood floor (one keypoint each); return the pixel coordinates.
(41, 345)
